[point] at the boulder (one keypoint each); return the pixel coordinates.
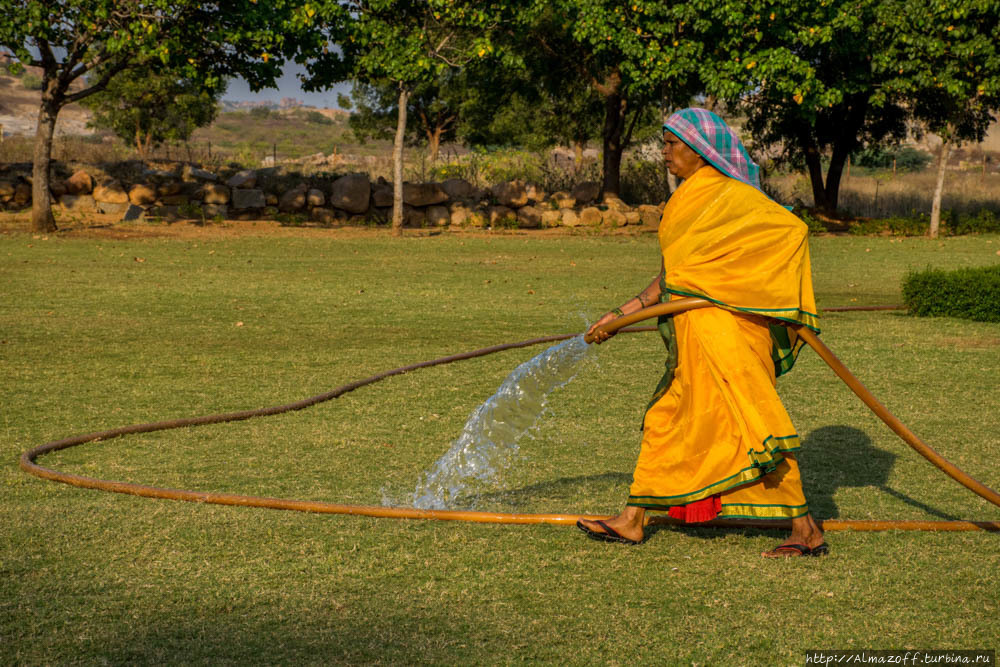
(586, 192)
(569, 217)
(133, 213)
(80, 183)
(591, 216)
(562, 199)
(512, 194)
(650, 215)
(77, 202)
(612, 218)
(168, 213)
(414, 217)
(272, 200)
(243, 198)
(174, 200)
(57, 189)
(196, 174)
(326, 216)
(500, 216)
(110, 192)
(214, 193)
(294, 199)
(243, 179)
(22, 194)
(437, 216)
(142, 195)
(167, 189)
(458, 188)
(614, 203)
(551, 218)
(112, 208)
(315, 197)
(632, 218)
(535, 193)
(6, 189)
(458, 216)
(423, 194)
(215, 211)
(351, 193)
(477, 218)
(529, 217)
(382, 195)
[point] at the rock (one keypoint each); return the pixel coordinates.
(534, 192)
(243, 179)
(22, 194)
(591, 216)
(214, 193)
(569, 217)
(167, 189)
(243, 198)
(562, 199)
(220, 211)
(551, 218)
(586, 192)
(612, 218)
(614, 203)
(477, 218)
(501, 216)
(110, 192)
(650, 215)
(458, 188)
(438, 216)
(351, 193)
(459, 216)
(168, 213)
(6, 189)
(57, 189)
(80, 183)
(423, 194)
(77, 202)
(133, 213)
(315, 197)
(529, 217)
(112, 208)
(511, 194)
(142, 195)
(382, 195)
(272, 200)
(414, 217)
(157, 174)
(632, 218)
(195, 174)
(325, 216)
(293, 200)
(174, 200)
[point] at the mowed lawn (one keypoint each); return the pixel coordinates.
(98, 332)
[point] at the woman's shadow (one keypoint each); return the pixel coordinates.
(835, 457)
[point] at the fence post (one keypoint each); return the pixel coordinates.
(274, 155)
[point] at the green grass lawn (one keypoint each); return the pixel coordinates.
(92, 338)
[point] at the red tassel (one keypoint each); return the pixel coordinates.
(699, 511)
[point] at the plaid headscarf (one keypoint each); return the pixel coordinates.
(709, 136)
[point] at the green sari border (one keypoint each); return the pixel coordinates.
(809, 320)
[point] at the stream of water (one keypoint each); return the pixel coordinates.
(488, 444)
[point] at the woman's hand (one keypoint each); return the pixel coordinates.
(602, 336)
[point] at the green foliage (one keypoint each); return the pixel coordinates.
(152, 104)
(906, 158)
(315, 117)
(953, 223)
(31, 81)
(972, 294)
(260, 112)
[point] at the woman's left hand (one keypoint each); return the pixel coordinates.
(602, 336)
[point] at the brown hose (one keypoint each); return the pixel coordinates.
(27, 461)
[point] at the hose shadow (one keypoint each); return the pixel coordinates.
(836, 457)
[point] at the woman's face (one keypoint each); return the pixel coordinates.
(681, 160)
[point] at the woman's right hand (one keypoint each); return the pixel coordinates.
(601, 336)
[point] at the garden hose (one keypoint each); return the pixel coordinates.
(29, 465)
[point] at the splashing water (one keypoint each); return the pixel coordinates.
(488, 443)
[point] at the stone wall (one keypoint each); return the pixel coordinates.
(353, 199)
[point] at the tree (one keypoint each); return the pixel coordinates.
(149, 105)
(943, 60)
(72, 40)
(403, 42)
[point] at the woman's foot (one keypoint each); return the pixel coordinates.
(806, 540)
(627, 527)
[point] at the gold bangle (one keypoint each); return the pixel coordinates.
(618, 312)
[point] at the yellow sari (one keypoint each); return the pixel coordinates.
(717, 440)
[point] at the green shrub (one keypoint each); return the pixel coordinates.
(31, 81)
(907, 158)
(972, 294)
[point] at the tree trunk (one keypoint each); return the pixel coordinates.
(839, 157)
(434, 143)
(815, 168)
(939, 189)
(578, 153)
(42, 219)
(397, 164)
(611, 137)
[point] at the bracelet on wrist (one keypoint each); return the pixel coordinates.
(618, 312)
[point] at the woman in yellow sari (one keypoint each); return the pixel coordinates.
(717, 441)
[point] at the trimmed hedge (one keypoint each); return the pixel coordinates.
(972, 294)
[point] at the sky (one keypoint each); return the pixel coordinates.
(289, 85)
